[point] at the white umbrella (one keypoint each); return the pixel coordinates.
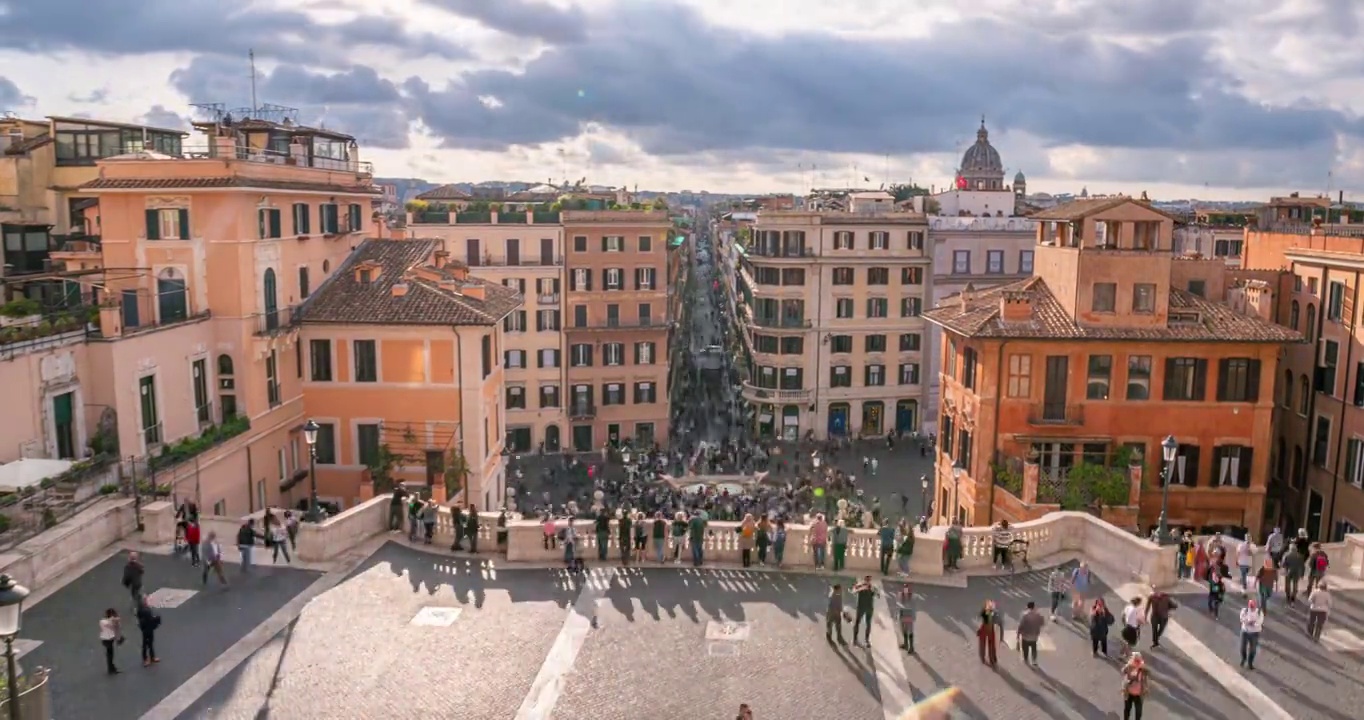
(29, 472)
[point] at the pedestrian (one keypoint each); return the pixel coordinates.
(1132, 620)
(641, 526)
(1029, 631)
(838, 537)
(833, 616)
(279, 540)
(1056, 588)
(1274, 544)
(133, 574)
(457, 524)
(1294, 565)
(1318, 608)
(147, 623)
(1244, 552)
(886, 536)
(1134, 680)
(1080, 580)
(1317, 563)
(764, 539)
(865, 592)
(213, 559)
(110, 634)
(680, 526)
(192, 539)
(602, 528)
(550, 530)
(745, 713)
(246, 542)
(1201, 562)
(291, 527)
(1100, 620)
(697, 529)
(1266, 578)
(1158, 608)
(906, 550)
(660, 536)
(397, 502)
(748, 531)
(779, 543)
(988, 634)
(415, 505)
(430, 513)
(1252, 622)
(906, 611)
(1184, 558)
(570, 540)
(1302, 543)
(471, 527)
(954, 544)
(819, 538)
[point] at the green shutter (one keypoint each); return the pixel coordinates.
(184, 224)
(307, 217)
(261, 228)
(275, 229)
(153, 224)
(322, 219)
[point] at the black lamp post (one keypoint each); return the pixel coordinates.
(923, 497)
(310, 429)
(12, 596)
(957, 470)
(1168, 447)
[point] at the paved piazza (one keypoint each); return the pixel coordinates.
(410, 633)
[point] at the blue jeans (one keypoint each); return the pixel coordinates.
(820, 549)
(659, 545)
(246, 556)
(904, 564)
(1181, 567)
(778, 550)
(568, 553)
(697, 554)
(1250, 642)
(1265, 592)
(1245, 574)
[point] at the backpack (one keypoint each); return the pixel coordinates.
(1320, 563)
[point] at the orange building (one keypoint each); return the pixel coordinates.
(1109, 347)
(404, 370)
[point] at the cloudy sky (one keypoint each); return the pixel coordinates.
(1180, 98)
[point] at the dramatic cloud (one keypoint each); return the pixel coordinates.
(163, 117)
(521, 18)
(117, 27)
(94, 97)
(11, 97)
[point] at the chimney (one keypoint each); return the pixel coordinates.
(1015, 306)
(1342, 197)
(399, 289)
(967, 294)
(473, 290)
(442, 257)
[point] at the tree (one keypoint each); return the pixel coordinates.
(904, 191)
(381, 469)
(660, 204)
(456, 472)
(416, 206)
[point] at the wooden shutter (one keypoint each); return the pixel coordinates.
(1169, 392)
(1253, 381)
(153, 224)
(1243, 472)
(184, 224)
(275, 224)
(1200, 379)
(1223, 371)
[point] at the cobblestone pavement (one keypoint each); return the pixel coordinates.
(192, 634)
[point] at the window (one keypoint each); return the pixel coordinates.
(878, 276)
(843, 240)
(915, 240)
(1321, 441)
(325, 448)
(1335, 300)
(793, 345)
(304, 287)
(1312, 286)
(874, 343)
(579, 243)
(355, 218)
(514, 359)
(792, 379)
(272, 393)
(646, 314)
(839, 376)
(1197, 287)
(579, 316)
(909, 373)
(1105, 297)
(546, 320)
(1138, 377)
(843, 308)
(968, 368)
(1185, 378)
(1025, 262)
(840, 343)
(1304, 395)
(874, 375)
(615, 279)
(367, 444)
(911, 307)
(268, 223)
(580, 280)
(1354, 462)
(1019, 383)
(910, 342)
(877, 307)
(515, 321)
(1186, 467)
(547, 358)
(320, 360)
(613, 354)
(911, 275)
(202, 407)
(516, 397)
(613, 243)
(945, 438)
(792, 276)
(644, 278)
(549, 396)
(843, 276)
(580, 355)
(613, 394)
(961, 262)
(167, 224)
(1358, 398)
(644, 353)
(1100, 373)
(645, 393)
(1144, 298)
(646, 243)
(486, 355)
(329, 218)
(1293, 315)
(302, 219)
(765, 343)
(613, 315)
(1238, 380)
(1326, 372)
(994, 262)
(878, 240)
(367, 361)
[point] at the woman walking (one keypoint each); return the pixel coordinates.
(748, 531)
(1217, 588)
(110, 634)
(1134, 681)
(779, 543)
(764, 539)
(989, 632)
(1100, 620)
(1265, 580)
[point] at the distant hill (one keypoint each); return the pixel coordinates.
(408, 188)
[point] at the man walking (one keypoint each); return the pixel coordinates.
(866, 605)
(213, 559)
(887, 537)
(246, 542)
(1294, 565)
(1158, 608)
(133, 573)
(833, 617)
(1318, 607)
(1029, 631)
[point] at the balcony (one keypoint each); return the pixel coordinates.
(276, 322)
(1056, 414)
(545, 218)
(42, 330)
(753, 393)
(127, 312)
(519, 261)
(582, 410)
(547, 298)
(621, 324)
(276, 157)
(782, 253)
(785, 322)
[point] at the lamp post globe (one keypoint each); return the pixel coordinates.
(1169, 448)
(12, 597)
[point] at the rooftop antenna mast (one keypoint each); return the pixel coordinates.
(251, 56)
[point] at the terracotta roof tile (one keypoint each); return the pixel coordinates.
(445, 192)
(221, 182)
(1206, 321)
(1076, 209)
(344, 299)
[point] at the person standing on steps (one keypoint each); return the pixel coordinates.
(779, 543)
(601, 526)
(764, 539)
(907, 619)
(833, 616)
(819, 538)
(279, 540)
(428, 514)
(1000, 540)
(457, 525)
(1080, 580)
(133, 573)
(110, 634)
(1100, 620)
(471, 528)
(1029, 632)
(886, 537)
(213, 559)
(1294, 565)
(246, 543)
(839, 538)
(1056, 588)
(660, 536)
(1318, 608)
(680, 526)
(748, 537)
(1135, 678)
(697, 529)
(624, 524)
(1266, 577)
(906, 550)
(865, 592)
(988, 633)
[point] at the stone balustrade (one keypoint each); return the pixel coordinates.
(338, 534)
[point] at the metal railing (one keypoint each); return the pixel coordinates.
(274, 322)
(774, 394)
(582, 410)
(547, 298)
(621, 324)
(142, 310)
(772, 322)
(783, 252)
(535, 260)
(1056, 414)
(276, 157)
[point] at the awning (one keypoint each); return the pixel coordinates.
(30, 472)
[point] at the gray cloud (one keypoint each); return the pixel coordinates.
(116, 27)
(521, 18)
(11, 96)
(355, 101)
(162, 117)
(96, 96)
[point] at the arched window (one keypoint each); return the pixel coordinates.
(225, 364)
(1293, 315)
(1311, 322)
(271, 301)
(1304, 395)
(1288, 389)
(172, 302)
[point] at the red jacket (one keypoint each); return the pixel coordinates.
(192, 534)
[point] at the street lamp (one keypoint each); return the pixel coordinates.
(310, 429)
(923, 496)
(957, 470)
(12, 596)
(1168, 447)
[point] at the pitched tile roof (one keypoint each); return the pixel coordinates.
(222, 182)
(344, 299)
(445, 192)
(1077, 209)
(1206, 321)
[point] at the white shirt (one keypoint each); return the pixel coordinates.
(108, 628)
(1132, 616)
(1243, 552)
(1319, 601)
(1252, 621)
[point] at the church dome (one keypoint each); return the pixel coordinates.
(982, 158)
(1019, 179)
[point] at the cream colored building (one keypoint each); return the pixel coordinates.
(832, 320)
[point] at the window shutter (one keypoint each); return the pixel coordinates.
(588, 284)
(153, 224)
(322, 219)
(262, 226)
(556, 286)
(1253, 379)
(1200, 379)
(1223, 370)
(1243, 472)
(573, 280)
(275, 222)
(603, 243)
(1191, 453)
(184, 224)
